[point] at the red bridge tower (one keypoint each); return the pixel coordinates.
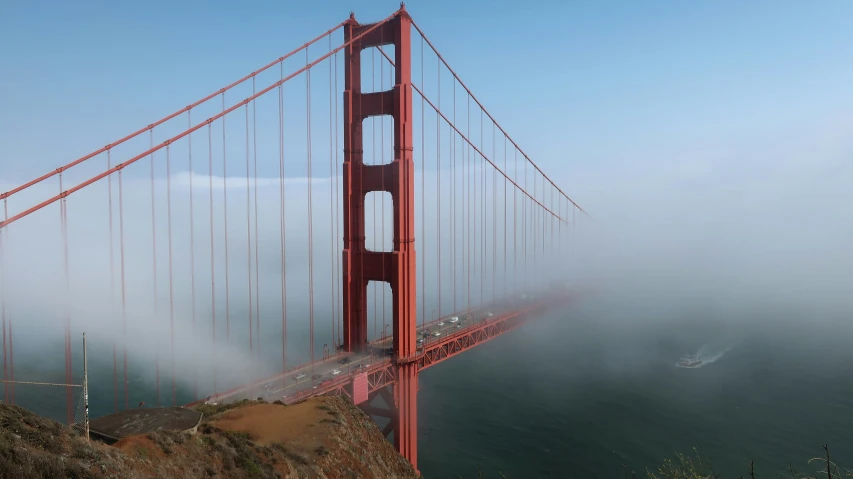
(396, 267)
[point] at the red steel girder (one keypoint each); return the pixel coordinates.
(477, 334)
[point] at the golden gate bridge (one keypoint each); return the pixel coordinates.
(399, 200)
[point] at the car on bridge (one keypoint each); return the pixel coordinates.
(453, 319)
(346, 360)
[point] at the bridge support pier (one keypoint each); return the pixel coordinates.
(396, 267)
(401, 411)
(406, 427)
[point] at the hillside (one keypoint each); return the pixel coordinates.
(321, 437)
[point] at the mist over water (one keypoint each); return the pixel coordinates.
(593, 387)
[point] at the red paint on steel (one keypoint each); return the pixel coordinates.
(359, 388)
(257, 254)
(249, 231)
(69, 392)
(192, 247)
(310, 217)
(282, 235)
(112, 279)
(212, 255)
(3, 303)
(225, 221)
(397, 267)
(171, 278)
(123, 287)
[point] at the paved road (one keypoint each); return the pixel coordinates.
(301, 379)
(446, 325)
(312, 375)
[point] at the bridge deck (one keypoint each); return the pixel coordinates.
(334, 373)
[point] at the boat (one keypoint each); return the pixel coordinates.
(689, 361)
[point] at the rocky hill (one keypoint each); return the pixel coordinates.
(321, 437)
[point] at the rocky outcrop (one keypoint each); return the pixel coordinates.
(320, 437)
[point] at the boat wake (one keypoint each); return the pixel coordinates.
(706, 355)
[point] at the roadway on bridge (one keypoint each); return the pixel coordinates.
(298, 381)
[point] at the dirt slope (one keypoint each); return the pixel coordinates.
(321, 437)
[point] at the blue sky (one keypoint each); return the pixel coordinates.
(581, 85)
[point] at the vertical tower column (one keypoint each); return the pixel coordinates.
(397, 267)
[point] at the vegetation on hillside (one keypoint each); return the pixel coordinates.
(321, 437)
(341, 441)
(696, 467)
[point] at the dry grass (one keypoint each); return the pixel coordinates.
(322, 438)
(270, 423)
(696, 467)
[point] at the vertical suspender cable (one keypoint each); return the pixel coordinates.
(451, 173)
(112, 279)
(373, 162)
(484, 208)
(310, 218)
(257, 243)
(438, 187)
(123, 289)
(212, 253)
(361, 236)
(468, 178)
(524, 228)
(282, 242)
(338, 259)
(452, 192)
(506, 168)
(382, 182)
(171, 282)
(225, 221)
(69, 394)
(544, 233)
(484, 221)
(494, 216)
(154, 265)
(541, 222)
(192, 250)
(482, 199)
(534, 210)
(483, 212)
(249, 234)
(551, 246)
(423, 196)
(332, 230)
(3, 300)
(475, 225)
(515, 223)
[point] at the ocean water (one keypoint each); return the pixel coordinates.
(593, 392)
